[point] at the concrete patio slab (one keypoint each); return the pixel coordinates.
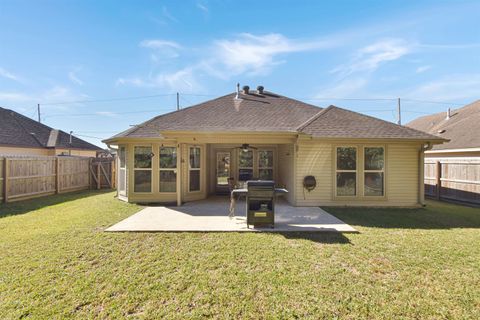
(212, 215)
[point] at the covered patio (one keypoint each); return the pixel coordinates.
(211, 215)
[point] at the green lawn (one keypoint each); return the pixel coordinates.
(55, 262)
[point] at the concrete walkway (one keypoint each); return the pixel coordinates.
(212, 215)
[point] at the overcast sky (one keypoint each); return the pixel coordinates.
(78, 52)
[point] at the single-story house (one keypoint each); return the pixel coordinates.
(20, 135)
(198, 151)
(453, 168)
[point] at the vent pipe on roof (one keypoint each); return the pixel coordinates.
(246, 89)
(448, 113)
(260, 89)
(238, 91)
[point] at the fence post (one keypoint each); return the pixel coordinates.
(90, 173)
(98, 176)
(113, 165)
(438, 176)
(5, 179)
(57, 175)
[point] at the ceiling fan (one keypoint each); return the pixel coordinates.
(245, 147)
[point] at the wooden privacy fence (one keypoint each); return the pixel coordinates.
(27, 177)
(453, 180)
(103, 173)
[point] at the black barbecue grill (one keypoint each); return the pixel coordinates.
(261, 203)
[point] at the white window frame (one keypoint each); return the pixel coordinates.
(266, 168)
(160, 169)
(375, 171)
(122, 169)
(342, 170)
(251, 168)
(199, 169)
(143, 169)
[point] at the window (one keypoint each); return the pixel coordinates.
(374, 171)
(122, 173)
(245, 165)
(142, 168)
(168, 169)
(121, 157)
(265, 164)
(346, 171)
(194, 169)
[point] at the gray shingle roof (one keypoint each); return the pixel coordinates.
(271, 113)
(21, 131)
(463, 127)
(334, 122)
(253, 112)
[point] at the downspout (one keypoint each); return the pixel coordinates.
(421, 172)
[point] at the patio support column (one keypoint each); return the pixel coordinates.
(179, 174)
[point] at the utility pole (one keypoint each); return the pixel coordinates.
(38, 112)
(399, 112)
(178, 101)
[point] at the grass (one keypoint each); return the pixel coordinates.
(55, 262)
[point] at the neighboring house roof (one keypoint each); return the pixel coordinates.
(270, 112)
(20, 131)
(463, 127)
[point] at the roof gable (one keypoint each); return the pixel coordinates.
(335, 122)
(462, 128)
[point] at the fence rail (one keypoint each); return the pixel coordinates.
(25, 177)
(453, 180)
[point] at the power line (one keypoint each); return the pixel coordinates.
(109, 99)
(419, 112)
(349, 99)
(100, 113)
(85, 136)
(434, 102)
(198, 95)
(97, 131)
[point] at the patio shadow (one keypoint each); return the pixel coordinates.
(318, 237)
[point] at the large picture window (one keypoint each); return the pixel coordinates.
(194, 169)
(374, 171)
(265, 164)
(142, 168)
(346, 171)
(245, 165)
(168, 169)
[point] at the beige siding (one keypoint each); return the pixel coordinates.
(14, 151)
(314, 159)
(402, 174)
(317, 159)
(18, 151)
(286, 169)
(76, 152)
